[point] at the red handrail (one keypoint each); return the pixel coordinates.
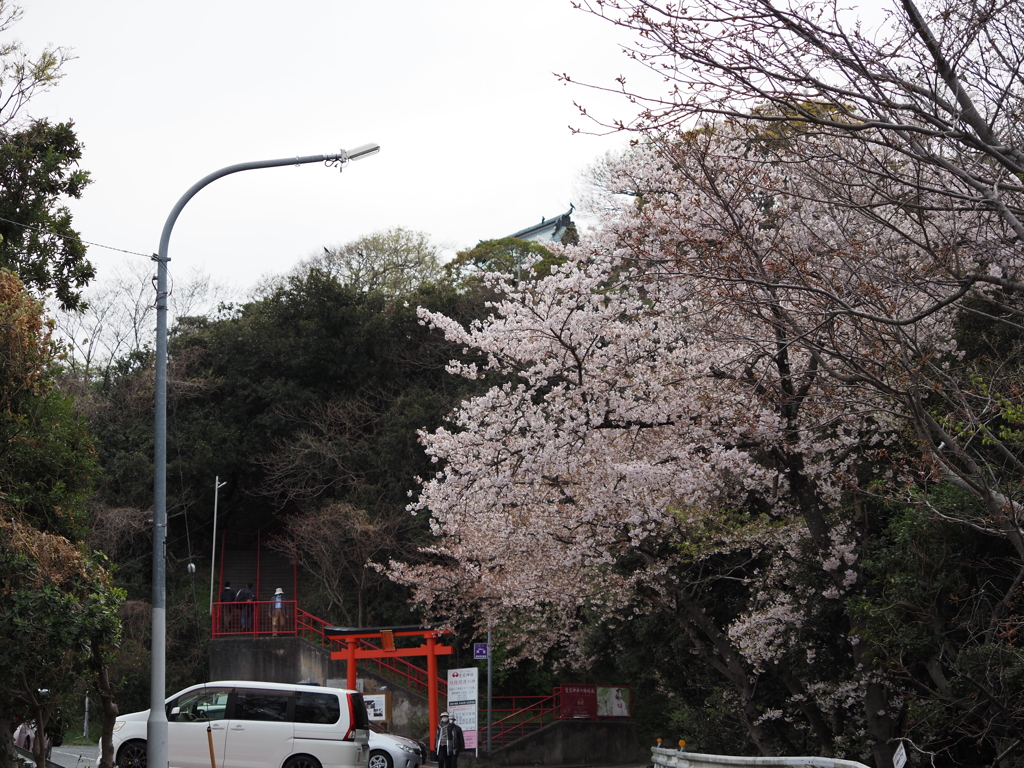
(538, 711)
(255, 617)
(227, 622)
(529, 713)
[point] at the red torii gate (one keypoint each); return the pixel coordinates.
(386, 635)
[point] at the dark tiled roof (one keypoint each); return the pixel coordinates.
(548, 229)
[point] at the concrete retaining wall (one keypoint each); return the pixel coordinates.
(572, 742)
(273, 659)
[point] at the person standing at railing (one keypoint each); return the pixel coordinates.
(227, 595)
(448, 742)
(277, 619)
(246, 595)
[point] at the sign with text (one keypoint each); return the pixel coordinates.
(463, 704)
(480, 651)
(579, 701)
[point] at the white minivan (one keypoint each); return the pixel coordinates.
(254, 725)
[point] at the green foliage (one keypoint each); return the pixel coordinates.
(58, 610)
(509, 255)
(940, 613)
(705, 532)
(21, 75)
(38, 169)
(672, 696)
(309, 395)
(56, 606)
(47, 458)
(391, 262)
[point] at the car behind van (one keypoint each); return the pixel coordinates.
(253, 725)
(390, 751)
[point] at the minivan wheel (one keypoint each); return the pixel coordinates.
(302, 761)
(379, 759)
(132, 755)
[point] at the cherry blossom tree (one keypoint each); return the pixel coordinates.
(693, 400)
(805, 305)
(923, 105)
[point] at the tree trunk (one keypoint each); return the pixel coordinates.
(42, 715)
(881, 725)
(728, 662)
(6, 740)
(110, 713)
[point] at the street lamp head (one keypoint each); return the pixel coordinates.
(363, 151)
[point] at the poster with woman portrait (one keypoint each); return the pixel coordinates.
(612, 701)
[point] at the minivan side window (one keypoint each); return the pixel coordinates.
(319, 708)
(262, 705)
(203, 704)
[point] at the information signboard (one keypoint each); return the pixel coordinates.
(579, 701)
(463, 703)
(378, 706)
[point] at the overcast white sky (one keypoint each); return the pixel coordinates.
(459, 94)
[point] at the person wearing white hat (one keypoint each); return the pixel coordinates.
(277, 620)
(448, 742)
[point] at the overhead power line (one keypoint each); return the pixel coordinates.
(67, 237)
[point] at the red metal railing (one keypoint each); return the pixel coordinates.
(233, 619)
(252, 542)
(255, 617)
(309, 627)
(517, 716)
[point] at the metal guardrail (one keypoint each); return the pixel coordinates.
(678, 758)
(27, 756)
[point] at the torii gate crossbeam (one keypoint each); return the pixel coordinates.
(385, 636)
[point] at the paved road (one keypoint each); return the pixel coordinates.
(76, 755)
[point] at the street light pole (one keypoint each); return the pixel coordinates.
(217, 485)
(156, 725)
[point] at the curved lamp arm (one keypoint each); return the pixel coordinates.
(156, 725)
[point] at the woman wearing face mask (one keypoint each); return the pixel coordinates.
(448, 742)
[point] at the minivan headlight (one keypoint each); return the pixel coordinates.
(118, 725)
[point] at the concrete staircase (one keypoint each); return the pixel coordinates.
(238, 567)
(266, 570)
(276, 570)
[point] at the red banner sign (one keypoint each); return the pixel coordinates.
(579, 701)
